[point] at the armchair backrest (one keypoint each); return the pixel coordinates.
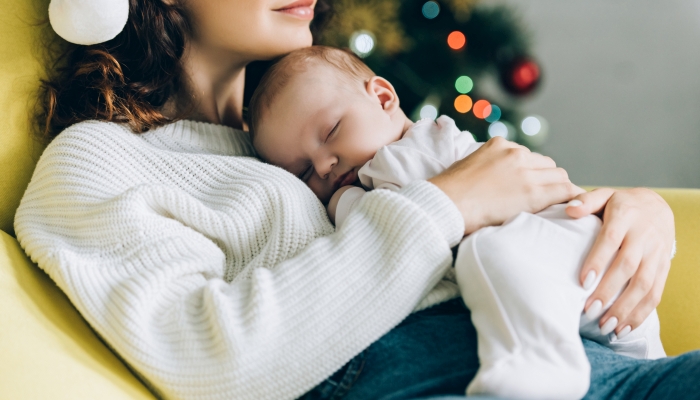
(21, 28)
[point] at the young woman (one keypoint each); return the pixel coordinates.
(214, 275)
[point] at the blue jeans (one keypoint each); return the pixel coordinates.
(432, 354)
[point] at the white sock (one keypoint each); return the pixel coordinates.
(520, 281)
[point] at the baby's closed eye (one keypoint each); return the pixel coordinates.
(305, 174)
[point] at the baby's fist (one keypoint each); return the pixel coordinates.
(333, 203)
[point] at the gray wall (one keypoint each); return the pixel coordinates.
(621, 90)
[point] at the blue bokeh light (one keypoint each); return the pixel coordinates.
(431, 9)
(495, 114)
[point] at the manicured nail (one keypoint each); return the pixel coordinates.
(608, 326)
(624, 332)
(593, 311)
(590, 279)
(574, 203)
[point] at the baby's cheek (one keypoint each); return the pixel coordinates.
(320, 187)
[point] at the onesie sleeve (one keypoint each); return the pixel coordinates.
(348, 201)
(426, 149)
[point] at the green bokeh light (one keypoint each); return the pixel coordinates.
(464, 84)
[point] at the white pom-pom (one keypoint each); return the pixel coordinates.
(88, 21)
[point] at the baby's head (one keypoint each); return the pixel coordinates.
(321, 114)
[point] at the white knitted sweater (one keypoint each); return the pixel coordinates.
(216, 276)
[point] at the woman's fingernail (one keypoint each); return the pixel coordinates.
(624, 332)
(574, 203)
(590, 279)
(608, 326)
(594, 310)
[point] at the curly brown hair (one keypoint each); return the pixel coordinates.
(130, 78)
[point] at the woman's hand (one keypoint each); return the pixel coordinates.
(501, 179)
(639, 224)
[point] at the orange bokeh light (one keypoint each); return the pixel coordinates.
(463, 103)
(456, 40)
(482, 109)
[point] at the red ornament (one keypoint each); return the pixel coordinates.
(521, 76)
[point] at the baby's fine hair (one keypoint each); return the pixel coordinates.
(349, 66)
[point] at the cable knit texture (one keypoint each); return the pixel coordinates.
(216, 276)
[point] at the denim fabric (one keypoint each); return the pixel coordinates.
(432, 354)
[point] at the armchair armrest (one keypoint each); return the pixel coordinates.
(48, 350)
(679, 310)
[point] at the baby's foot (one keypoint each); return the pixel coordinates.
(554, 372)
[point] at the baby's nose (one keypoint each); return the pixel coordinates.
(326, 168)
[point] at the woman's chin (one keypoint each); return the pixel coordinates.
(299, 40)
(283, 47)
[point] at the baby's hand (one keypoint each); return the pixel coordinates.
(333, 203)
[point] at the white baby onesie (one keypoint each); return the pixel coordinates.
(520, 279)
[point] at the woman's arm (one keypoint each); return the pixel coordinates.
(151, 281)
(216, 277)
(636, 241)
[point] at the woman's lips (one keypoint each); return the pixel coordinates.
(302, 9)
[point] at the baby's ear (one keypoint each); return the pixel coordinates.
(382, 90)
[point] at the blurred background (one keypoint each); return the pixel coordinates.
(608, 88)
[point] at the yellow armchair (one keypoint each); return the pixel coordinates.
(679, 310)
(48, 351)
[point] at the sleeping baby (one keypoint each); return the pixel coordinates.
(323, 115)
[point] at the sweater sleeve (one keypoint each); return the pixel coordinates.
(148, 269)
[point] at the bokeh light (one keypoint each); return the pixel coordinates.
(429, 108)
(526, 74)
(495, 114)
(463, 103)
(464, 84)
(362, 43)
(456, 40)
(501, 129)
(535, 131)
(431, 9)
(487, 111)
(498, 129)
(531, 126)
(428, 111)
(482, 109)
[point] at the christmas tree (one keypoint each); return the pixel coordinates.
(439, 55)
